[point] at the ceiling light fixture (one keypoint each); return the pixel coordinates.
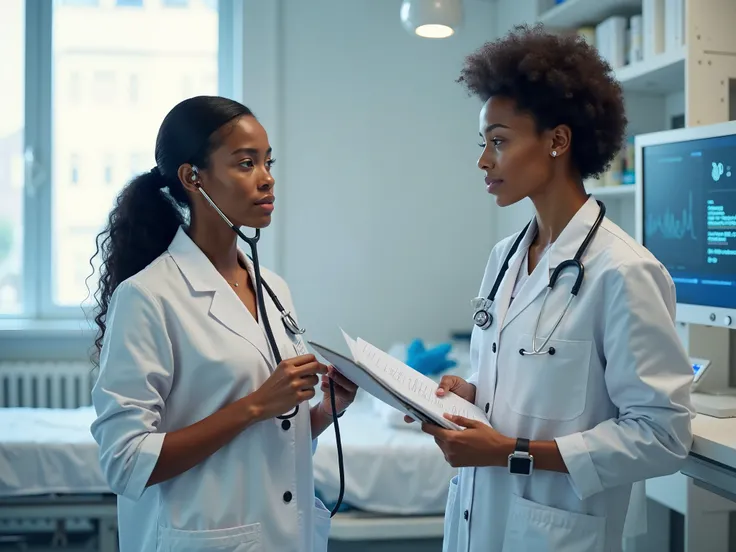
(431, 18)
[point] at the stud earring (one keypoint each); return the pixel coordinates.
(554, 154)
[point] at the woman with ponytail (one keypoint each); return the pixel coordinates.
(192, 408)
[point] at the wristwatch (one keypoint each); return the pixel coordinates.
(520, 461)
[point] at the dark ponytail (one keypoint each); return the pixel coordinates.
(150, 209)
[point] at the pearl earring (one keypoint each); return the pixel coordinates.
(554, 154)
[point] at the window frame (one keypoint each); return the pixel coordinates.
(38, 281)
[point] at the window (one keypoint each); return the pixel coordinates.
(75, 88)
(140, 163)
(64, 161)
(108, 170)
(74, 170)
(12, 122)
(83, 3)
(133, 89)
(103, 86)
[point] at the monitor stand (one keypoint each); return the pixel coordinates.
(710, 393)
(718, 406)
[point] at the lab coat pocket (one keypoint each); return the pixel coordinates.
(246, 538)
(322, 525)
(549, 387)
(452, 517)
(534, 527)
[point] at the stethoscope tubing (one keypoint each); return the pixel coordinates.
(291, 326)
(482, 315)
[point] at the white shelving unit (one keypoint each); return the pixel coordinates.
(697, 80)
(692, 80)
(664, 74)
(578, 13)
(625, 190)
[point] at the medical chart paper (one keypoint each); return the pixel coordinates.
(398, 385)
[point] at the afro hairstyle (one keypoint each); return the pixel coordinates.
(559, 80)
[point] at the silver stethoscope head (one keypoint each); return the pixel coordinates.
(291, 324)
(482, 316)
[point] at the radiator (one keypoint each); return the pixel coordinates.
(46, 384)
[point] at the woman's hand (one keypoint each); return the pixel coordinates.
(292, 382)
(453, 384)
(345, 391)
(477, 445)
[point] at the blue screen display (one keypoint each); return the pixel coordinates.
(689, 192)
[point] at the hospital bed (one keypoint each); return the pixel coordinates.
(396, 478)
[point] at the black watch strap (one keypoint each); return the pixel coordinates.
(522, 445)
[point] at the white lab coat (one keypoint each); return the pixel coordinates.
(615, 396)
(179, 346)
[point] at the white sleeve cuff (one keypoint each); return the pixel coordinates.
(314, 446)
(145, 460)
(583, 475)
(473, 379)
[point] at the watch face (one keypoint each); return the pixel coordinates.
(520, 466)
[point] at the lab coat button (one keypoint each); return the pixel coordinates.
(287, 497)
(488, 407)
(466, 515)
(285, 425)
(493, 347)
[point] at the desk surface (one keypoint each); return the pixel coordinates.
(715, 439)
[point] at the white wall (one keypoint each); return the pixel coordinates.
(383, 224)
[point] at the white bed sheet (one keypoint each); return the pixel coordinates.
(388, 469)
(46, 451)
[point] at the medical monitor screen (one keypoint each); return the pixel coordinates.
(689, 210)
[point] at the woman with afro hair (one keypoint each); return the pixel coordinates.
(587, 395)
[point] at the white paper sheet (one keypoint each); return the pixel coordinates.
(398, 385)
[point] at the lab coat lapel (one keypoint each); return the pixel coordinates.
(226, 307)
(531, 289)
(274, 316)
(503, 297)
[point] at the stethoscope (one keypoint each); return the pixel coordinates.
(290, 324)
(482, 316)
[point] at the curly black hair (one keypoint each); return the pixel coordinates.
(151, 207)
(558, 79)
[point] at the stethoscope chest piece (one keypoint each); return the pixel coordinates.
(482, 312)
(291, 324)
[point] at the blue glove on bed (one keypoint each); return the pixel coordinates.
(429, 362)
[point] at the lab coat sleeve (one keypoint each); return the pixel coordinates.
(136, 373)
(648, 377)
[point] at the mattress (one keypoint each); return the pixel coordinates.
(388, 468)
(47, 451)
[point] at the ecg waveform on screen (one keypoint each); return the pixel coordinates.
(672, 226)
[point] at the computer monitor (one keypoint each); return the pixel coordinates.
(686, 216)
